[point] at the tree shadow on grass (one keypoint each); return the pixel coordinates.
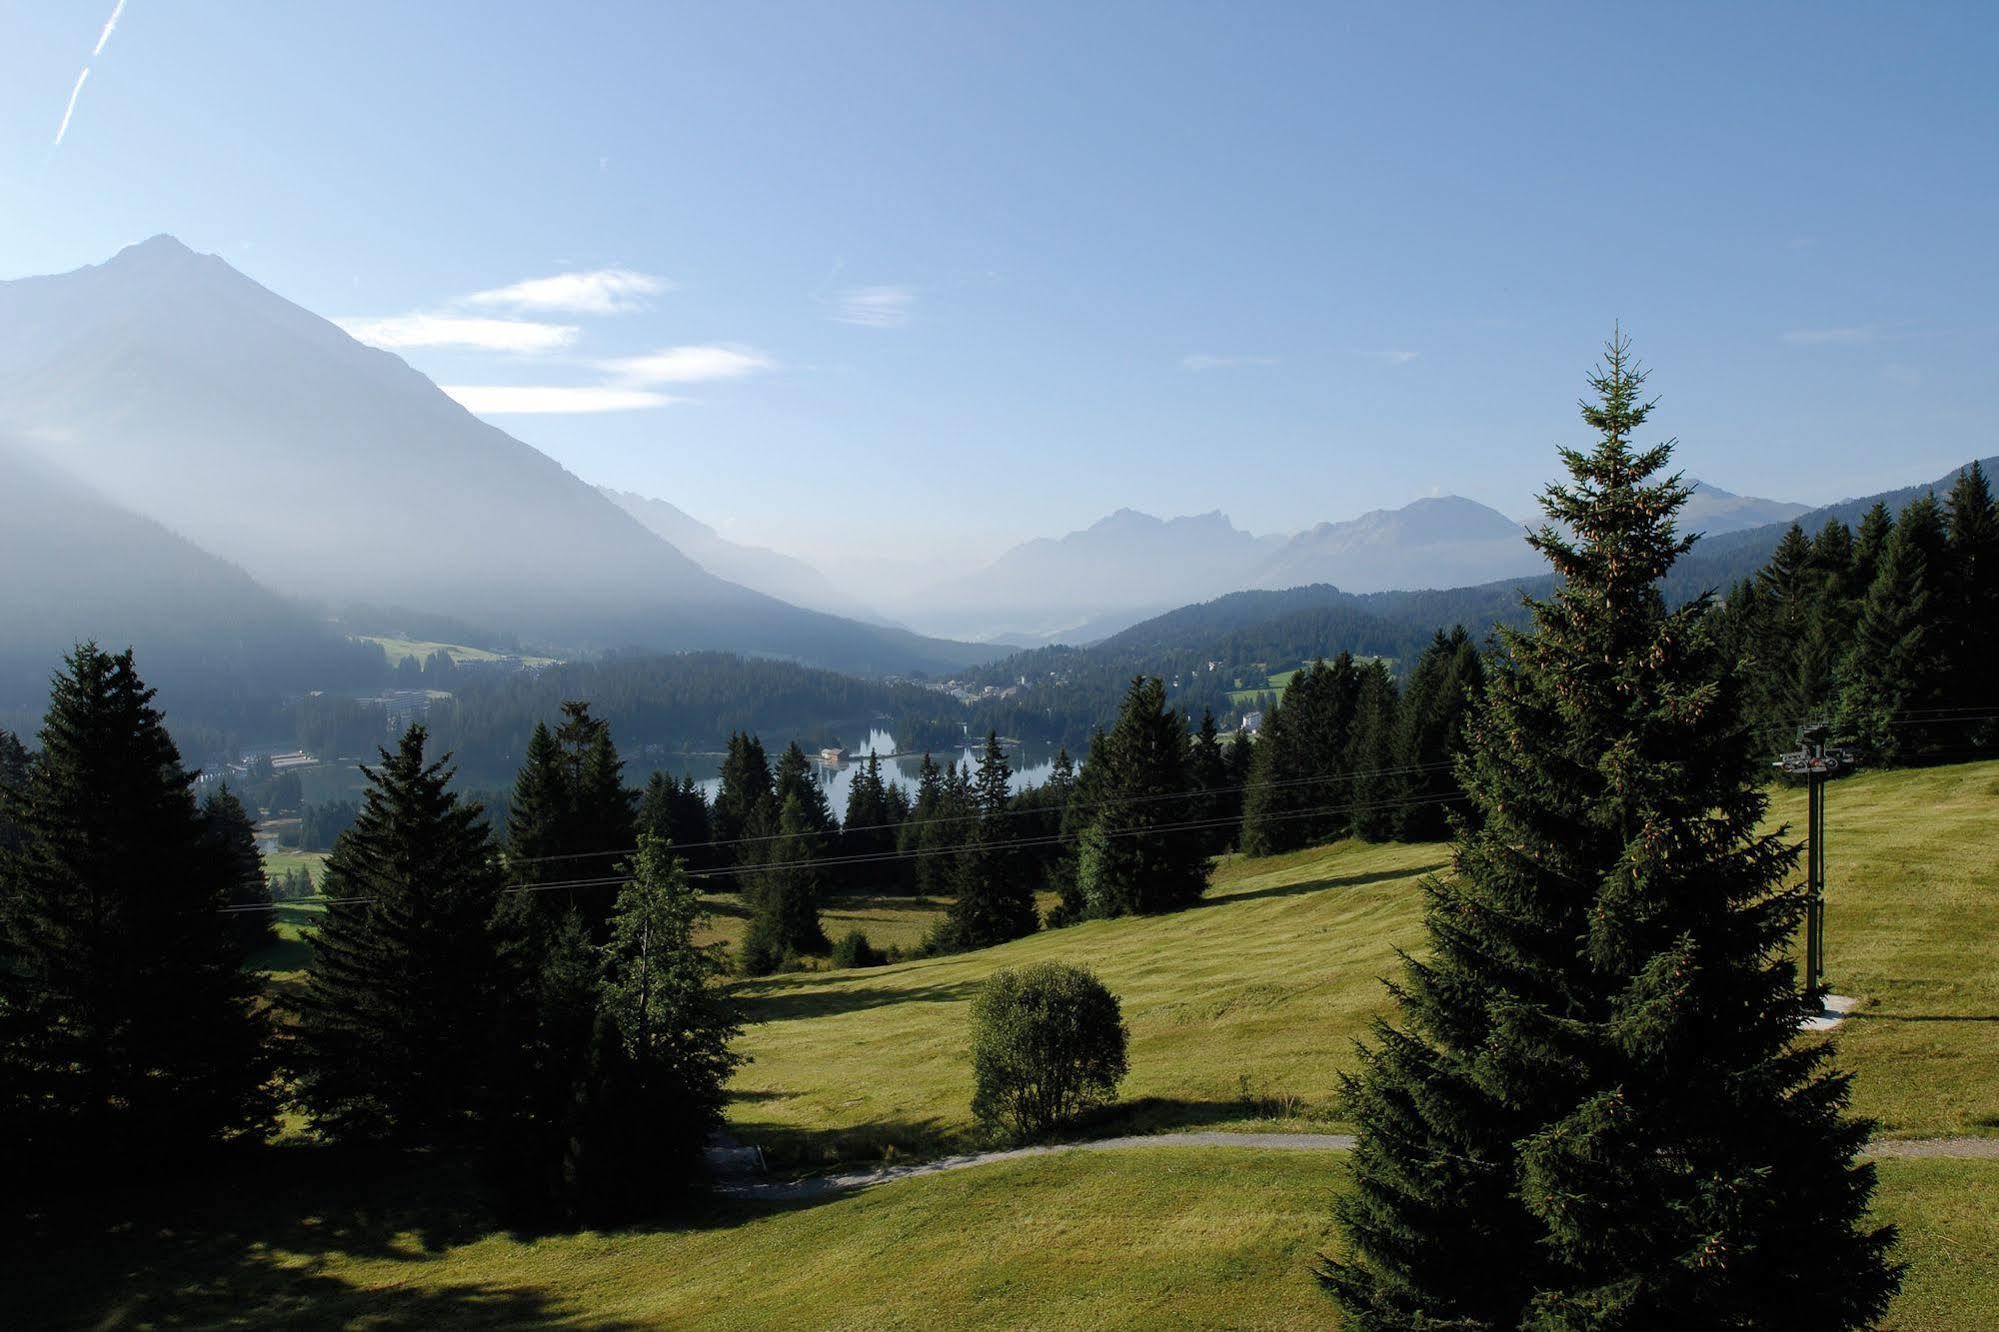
(1160, 1114)
(1320, 885)
(789, 1148)
(782, 998)
(260, 1239)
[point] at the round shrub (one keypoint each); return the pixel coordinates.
(1048, 1041)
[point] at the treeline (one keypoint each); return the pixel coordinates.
(663, 705)
(1889, 632)
(577, 1044)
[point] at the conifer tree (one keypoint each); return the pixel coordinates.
(1448, 677)
(15, 763)
(795, 779)
(1371, 754)
(1085, 801)
(677, 814)
(235, 848)
(784, 895)
(1301, 789)
(921, 872)
(660, 1053)
(1896, 671)
(127, 1037)
(744, 793)
(993, 901)
(1870, 542)
(1789, 587)
(869, 827)
(395, 1020)
(1134, 856)
(1596, 1111)
(1972, 592)
(1208, 773)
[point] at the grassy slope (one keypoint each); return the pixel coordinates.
(395, 649)
(1202, 1238)
(1265, 987)
(1270, 983)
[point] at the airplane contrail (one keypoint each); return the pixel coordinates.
(70, 110)
(95, 51)
(109, 24)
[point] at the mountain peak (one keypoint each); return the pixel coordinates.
(158, 251)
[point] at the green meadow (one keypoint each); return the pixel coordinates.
(1243, 1012)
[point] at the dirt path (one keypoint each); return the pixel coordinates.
(757, 1188)
(1962, 1149)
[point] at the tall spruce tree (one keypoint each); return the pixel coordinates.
(127, 1035)
(1596, 1112)
(920, 872)
(1377, 788)
(992, 901)
(234, 839)
(15, 763)
(395, 1020)
(784, 895)
(1447, 678)
(1972, 600)
(1896, 672)
(868, 829)
(1208, 772)
(660, 1055)
(1134, 855)
(1301, 789)
(677, 814)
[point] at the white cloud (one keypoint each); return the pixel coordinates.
(70, 110)
(1205, 361)
(1400, 357)
(109, 24)
(1828, 337)
(604, 291)
(875, 307)
(549, 400)
(433, 330)
(688, 365)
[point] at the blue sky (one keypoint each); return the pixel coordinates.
(913, 282)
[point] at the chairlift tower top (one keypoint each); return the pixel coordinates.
(1817, 764)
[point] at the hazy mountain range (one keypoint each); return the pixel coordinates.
(196, 458)
(1090, 584)
(174, 387)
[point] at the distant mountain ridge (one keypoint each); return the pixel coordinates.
(1091, 583)
(181, 389)
(1088, 585)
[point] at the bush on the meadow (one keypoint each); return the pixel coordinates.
(854, 950)
(1048, 1042)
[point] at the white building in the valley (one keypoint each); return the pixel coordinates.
(1252, 722)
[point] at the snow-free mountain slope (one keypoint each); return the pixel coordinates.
(76, 567)
(1715, 511)
(1447, 541)
(759, 568)
(1126, 560)
(327, 469)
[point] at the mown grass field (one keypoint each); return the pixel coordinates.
(1245, 1009)
(1273, 684)
(398, 648)
(1242, 1012)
